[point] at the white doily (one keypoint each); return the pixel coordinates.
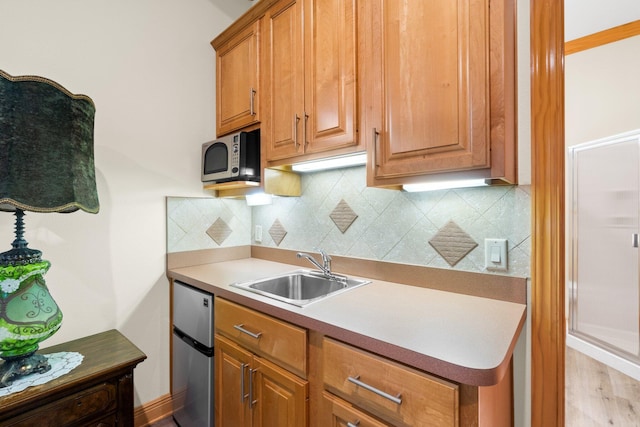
(61, 363)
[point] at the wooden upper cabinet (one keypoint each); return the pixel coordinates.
(237, 80)
(309, 79)
(432, 86)
(330, 74)
(283, 80)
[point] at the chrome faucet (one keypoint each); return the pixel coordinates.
(326, 262)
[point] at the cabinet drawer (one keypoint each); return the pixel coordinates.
(342, 413)
(266, 336)
(395, 393)
(85, 405)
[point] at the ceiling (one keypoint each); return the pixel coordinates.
(584, 17)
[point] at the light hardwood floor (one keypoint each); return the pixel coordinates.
(597, 395)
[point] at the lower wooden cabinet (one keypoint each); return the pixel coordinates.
(231, 385)
(252, 391)
(280, 342)
(271, 373)
(395, 393)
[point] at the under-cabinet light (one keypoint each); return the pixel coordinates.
(444, 185)
(358, 159)
(258, 199)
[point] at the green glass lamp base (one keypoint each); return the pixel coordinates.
(20, 366)
(28, 316)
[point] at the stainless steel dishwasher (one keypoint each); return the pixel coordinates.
(192, 369)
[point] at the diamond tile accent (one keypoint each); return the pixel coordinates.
(452, 243)
(343, 216)
(219, 231)
(277, 232)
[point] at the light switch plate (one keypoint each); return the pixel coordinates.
(258, 234)
(495, 254)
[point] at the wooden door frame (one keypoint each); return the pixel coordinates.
(547, 207)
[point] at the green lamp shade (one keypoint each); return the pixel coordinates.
(46, 147)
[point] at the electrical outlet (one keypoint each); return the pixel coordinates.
(258, 234)
(495, 254)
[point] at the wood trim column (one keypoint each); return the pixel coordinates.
(547, 264)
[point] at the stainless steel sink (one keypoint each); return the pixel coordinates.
(300, 287)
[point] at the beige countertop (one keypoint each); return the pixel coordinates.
(464, 338)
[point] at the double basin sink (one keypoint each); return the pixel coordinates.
(301, 287)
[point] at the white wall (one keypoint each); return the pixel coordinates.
(585, 17)
(149, 68)
(522, 352)
(602, 91)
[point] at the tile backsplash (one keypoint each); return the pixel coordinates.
(340, 214)
(205, 223)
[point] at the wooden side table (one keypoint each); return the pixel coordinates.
(99, 392)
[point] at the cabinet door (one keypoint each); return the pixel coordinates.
(330, 75)
(425, 86)
(283, 80)
(232, 367)
(237, 81)
(280, 397)
(310, 77)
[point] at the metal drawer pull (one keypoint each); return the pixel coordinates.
(252, 94)
(356, 424)
(634, 240)
(243, 330)
(296, 119)
(376, 147)
(304, 129)
(243, 396)
(252, 401)
(395, 399)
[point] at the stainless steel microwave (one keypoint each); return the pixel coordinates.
(234, 157)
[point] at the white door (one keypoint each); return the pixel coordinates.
(603, 250)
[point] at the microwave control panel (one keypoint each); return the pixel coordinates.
(235, 154)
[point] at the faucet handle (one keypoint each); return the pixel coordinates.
(326, 259)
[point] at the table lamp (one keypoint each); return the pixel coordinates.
(46, 165)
